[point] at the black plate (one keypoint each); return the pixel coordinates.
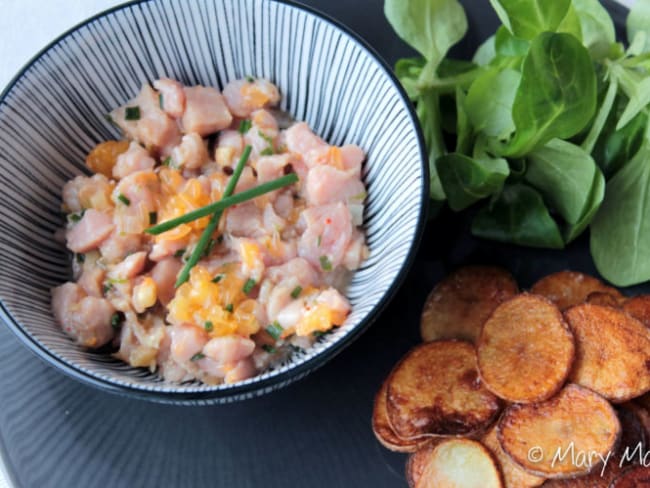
(58, 433)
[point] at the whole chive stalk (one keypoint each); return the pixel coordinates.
(224, 203)
(214, 220)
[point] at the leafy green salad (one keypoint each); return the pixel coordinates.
(545, 131)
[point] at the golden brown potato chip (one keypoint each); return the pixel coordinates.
(514, 476)
(384, 432)
(568, 288)
(633, 477)
(525, 350)
(600, 477)
(612, 352)
(417, 462)
(605, 299)
(639, 308)
(460, 304)
(635, 423)
(460, 463)
(436, 390)
(104, 156)
(565, 436)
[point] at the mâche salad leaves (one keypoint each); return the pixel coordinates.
(546, 131)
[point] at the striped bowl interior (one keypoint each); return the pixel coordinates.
(52, 114)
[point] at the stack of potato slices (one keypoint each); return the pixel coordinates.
(518, 390)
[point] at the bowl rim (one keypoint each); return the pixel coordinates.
(255, 388)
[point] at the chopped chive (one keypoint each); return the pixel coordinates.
(244, 126)
(179, 253)
(267, 152)
(269, 349)
(153, 218)
(116, 320)
(208, 326)
(218, 278)
(107, 287)
(117, 281)
(122, 198)
(167, 161)
(224, 203)
(320, 239)
(325, 263)
(266, 137)
(160, 101)
(109, 119)
(132, 113)
(198, 356)
(81, 258)
(229, 308)
(275, 330)
(76, 217)
(296, 292)
(249, 285)
(250, 79)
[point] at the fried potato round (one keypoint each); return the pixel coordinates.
(635, 423)
(600, 477)
(612, 352)
(417, 462)
(633, 477)
(575, 420)
(104, 155)
(460, 304)
(639, 308)
(384, 432)
(514, 476)
(460, 463)
(568, 288)
(436, 390)
(525, 350)
(605, 299)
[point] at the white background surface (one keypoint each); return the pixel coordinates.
(27, 26)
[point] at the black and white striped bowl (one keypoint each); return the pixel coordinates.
(51, 115)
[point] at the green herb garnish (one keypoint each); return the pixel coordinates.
(218, 278)
(224, 203)
(295, 293)
(250, 79)
(267, 152)
(197, 357)
(80, 258)
(319, 241)
(325, 263)
(180, 253)
(153, 218)
(132, 113)
(208, 326)
(214, 220)
(249, 285)
(229, 308)
(275, 330)
(161, 103)
(244, 126)
(168, 161)
(76, 217)
(122, 198)
(269, 349)
(116, 320)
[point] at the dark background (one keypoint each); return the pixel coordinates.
(55, 432)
